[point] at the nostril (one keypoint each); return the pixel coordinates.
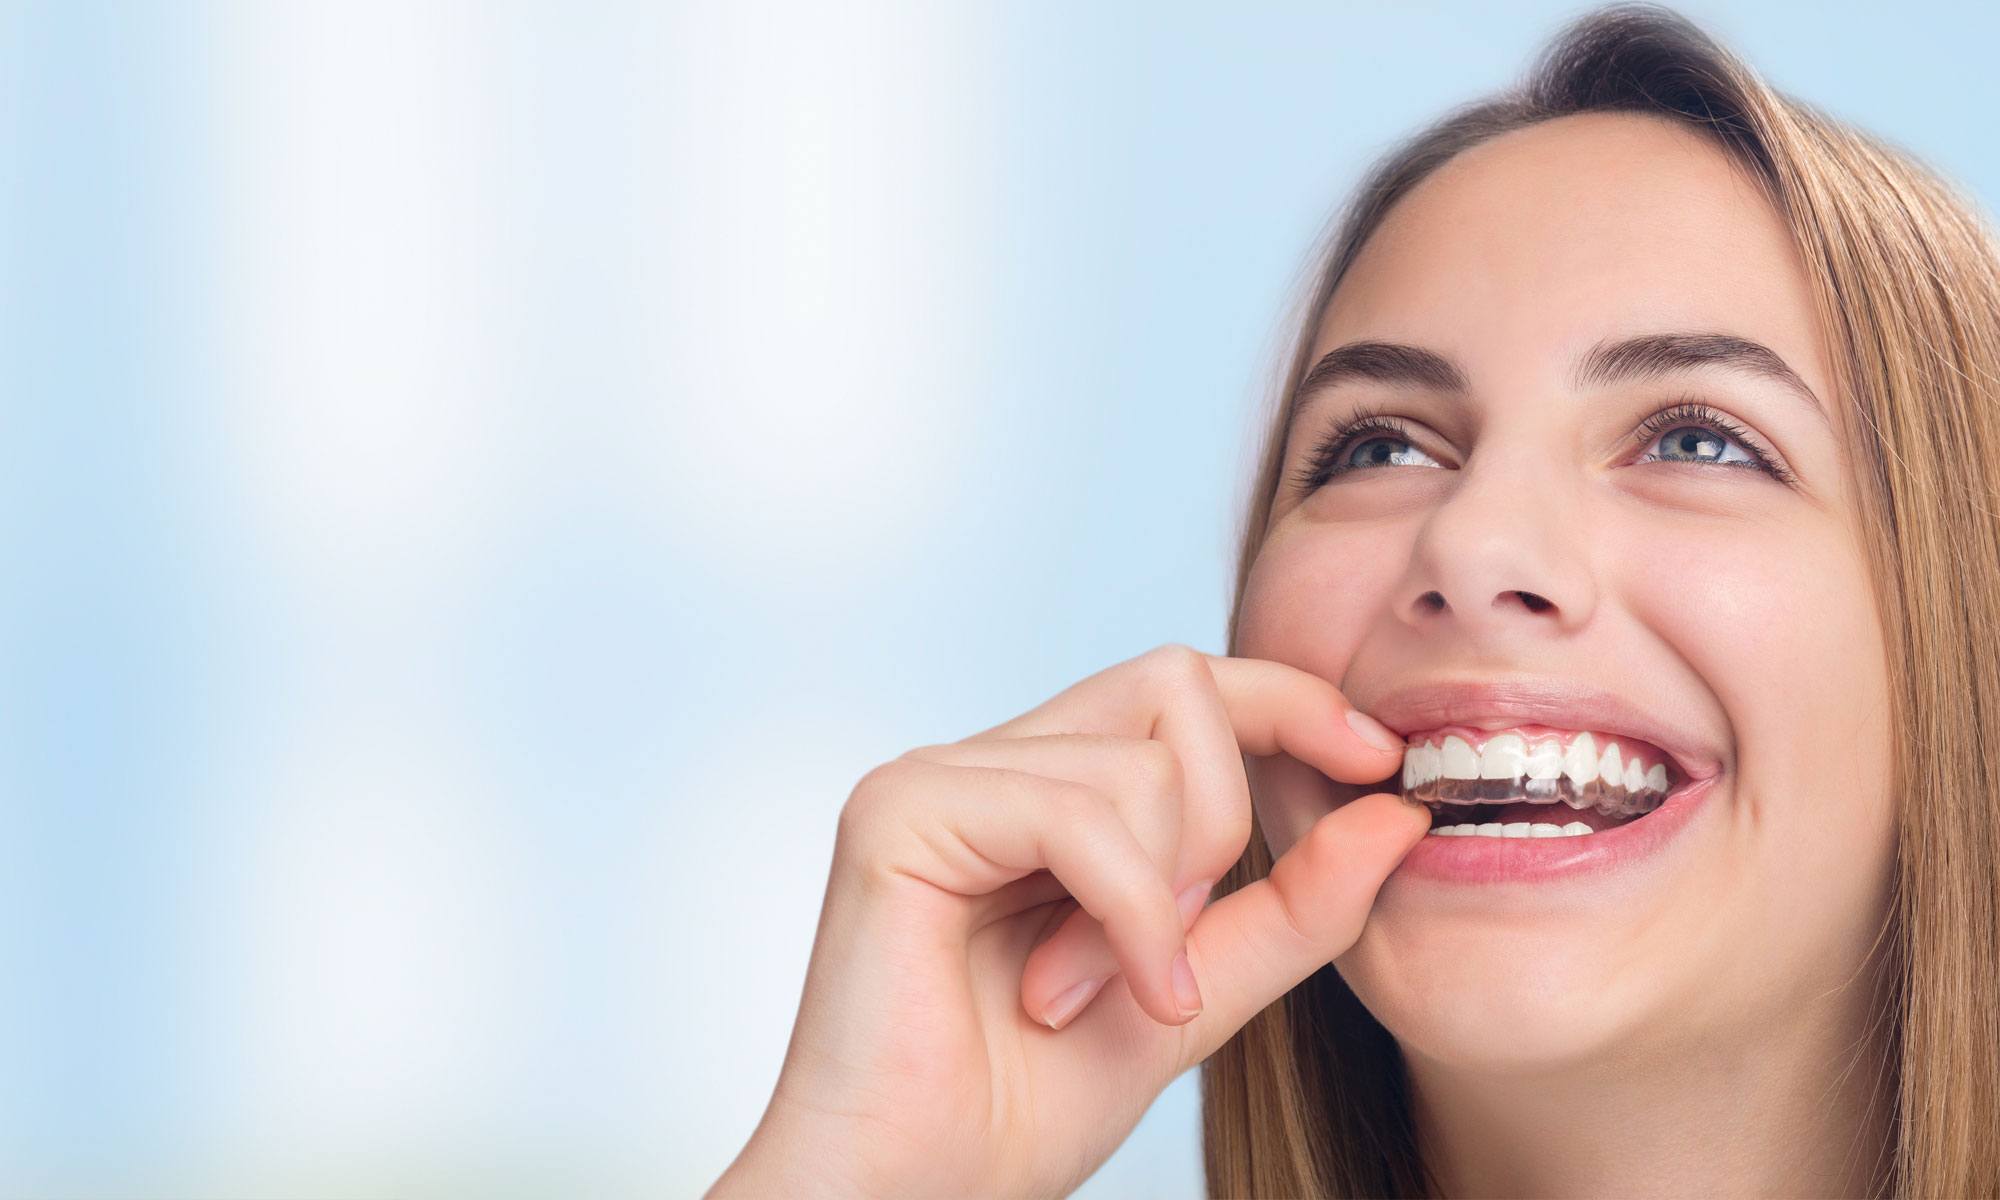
(1535, 603)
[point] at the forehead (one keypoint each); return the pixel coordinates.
(1522, 251)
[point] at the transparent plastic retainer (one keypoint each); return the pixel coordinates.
(1442, 793)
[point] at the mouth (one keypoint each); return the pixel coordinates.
(1534, 781)
(1540, 779)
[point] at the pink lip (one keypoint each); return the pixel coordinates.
(1558, 703)
(1546, 860)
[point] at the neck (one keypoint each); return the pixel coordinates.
(1797, 1107)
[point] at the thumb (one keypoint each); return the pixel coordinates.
(1257, 943)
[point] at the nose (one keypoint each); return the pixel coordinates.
(1507, 552)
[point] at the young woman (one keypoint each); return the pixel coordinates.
(1638, 467)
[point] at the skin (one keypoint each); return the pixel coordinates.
(928, 1060)
(1681, 1027)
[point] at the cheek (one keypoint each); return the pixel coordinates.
(1781, 628)
(1312, 591)
(1307, 603)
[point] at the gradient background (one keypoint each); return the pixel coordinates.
(478, 486)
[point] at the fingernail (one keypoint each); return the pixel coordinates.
(1373, 731)
(1065, 1006)
(1192, 897)
(1186, 994)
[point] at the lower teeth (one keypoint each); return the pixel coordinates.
(1512, 829)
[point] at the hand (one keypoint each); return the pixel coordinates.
(1014, 930)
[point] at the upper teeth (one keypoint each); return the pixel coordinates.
(1510, 756)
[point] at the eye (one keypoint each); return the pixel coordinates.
(1688, 432)
(1697, 443)
(1691, 432)
(1365, 441)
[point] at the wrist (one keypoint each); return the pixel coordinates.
(777, 1165)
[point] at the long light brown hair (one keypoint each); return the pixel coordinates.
(1310, 1098)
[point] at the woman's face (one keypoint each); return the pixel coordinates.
(1711, 596)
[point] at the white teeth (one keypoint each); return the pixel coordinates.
(1420, 765)
(1459, 762)
(1513, 829)
(1526, 764)
(1580, 760)
(1545, 760)
(1502, 757)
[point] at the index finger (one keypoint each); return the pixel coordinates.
(1211, 709)
(1275, 707)
(1267, 707)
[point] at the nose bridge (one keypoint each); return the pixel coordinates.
(1508, 548)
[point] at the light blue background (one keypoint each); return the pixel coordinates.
(480, 483)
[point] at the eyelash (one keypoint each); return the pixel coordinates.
(1324, 463)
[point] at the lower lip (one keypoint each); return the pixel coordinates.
(1550, 859)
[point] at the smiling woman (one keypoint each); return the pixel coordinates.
(1642, 405)
(1634, 492)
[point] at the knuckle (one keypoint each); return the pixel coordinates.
(1177, 663)
(1079, 808)
(1273, 952)
(1296, 929)
(1088, 823)
(872, 796)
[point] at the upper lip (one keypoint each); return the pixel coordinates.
(1559, 703)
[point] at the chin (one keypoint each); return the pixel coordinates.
(1497, 996)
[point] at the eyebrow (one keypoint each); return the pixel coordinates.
(1646, 356)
